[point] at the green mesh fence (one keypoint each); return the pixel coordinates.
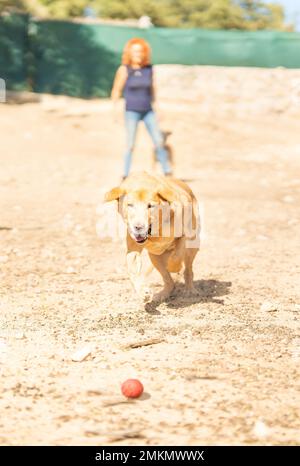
(13, 51)
(80, 59)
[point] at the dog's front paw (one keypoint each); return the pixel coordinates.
(162, 295)
(190, 292)
(146, 294)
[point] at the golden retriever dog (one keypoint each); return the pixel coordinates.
(161, 215)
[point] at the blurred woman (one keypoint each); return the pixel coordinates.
(135, 78)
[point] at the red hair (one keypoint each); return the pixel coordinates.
(126, 60)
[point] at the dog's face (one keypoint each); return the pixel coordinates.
(142, 209)
(138, 210)
(152, 207)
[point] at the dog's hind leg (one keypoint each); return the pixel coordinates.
(175, 259)
(190, 254)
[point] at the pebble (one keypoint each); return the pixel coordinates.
(81, 354)
(260, 429)
(269, 306)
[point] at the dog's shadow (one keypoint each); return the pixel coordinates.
(208, 292)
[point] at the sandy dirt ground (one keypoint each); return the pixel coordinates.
(225, 366)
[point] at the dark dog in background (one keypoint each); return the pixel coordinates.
(169, 150)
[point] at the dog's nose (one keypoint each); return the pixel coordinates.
(139, 227)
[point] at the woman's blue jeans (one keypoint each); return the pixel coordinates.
(132, 120)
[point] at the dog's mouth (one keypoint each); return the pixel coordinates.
(142, 237)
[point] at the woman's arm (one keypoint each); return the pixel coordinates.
(153, 88)
(153, 94)
(155, 105)
(118, 86)
(119, 83)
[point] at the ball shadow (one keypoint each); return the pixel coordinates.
(145, 396)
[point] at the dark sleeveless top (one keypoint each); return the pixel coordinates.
(137, 91)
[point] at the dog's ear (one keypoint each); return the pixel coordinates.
(114, 194)
(171, 195)
(167, 194)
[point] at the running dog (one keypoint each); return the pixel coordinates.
(161, 215)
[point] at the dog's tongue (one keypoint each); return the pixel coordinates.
(140, 238)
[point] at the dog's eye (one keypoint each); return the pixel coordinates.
(149, 206)
(129, 205)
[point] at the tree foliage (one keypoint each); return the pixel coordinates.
(211, 14)
(34, 7)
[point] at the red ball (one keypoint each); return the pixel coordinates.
(132, 388)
